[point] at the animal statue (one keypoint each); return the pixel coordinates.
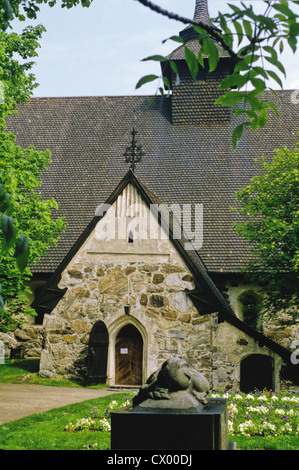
(175, 385)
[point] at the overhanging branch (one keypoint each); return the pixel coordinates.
(209, 29)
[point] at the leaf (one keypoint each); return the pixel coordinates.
(199, 30)
(9, 231)
(254, 102)
(237, 134)
(150, 102)
(260, 71)
(271, 51)
(277, 64)
(174, 38)
(166, 83)
(232, 81)
(294, 29)
(200, 58)
(22, 252)
(230, 98)
(292, 41)
(259, 85)
(5, 202)
(275, 77)
(239, 31)
(223, 23)
(192, 62)
(238, 111)
(248, 28)
(254, 119)
(146, 79)
(234, 8)
(2, 190)
(274, 109)
(263, 117)
(158, 58)
(284, 9)
(210, 49)
(174, 67)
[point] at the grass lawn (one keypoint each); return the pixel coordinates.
(45, 431)
(26, 371)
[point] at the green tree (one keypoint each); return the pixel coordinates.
(269, 220)
(27, 229)
(21, 175)
(11, 9)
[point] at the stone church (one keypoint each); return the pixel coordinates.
(150, 266)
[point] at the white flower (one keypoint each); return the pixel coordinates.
(267, 425)
(292, 399)
(238, 397)
(246, 428)
(250, 397)
(105, 425)
(286, 428)
(230, 426)
(232, 408)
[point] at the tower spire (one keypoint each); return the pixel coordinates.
(201, 11)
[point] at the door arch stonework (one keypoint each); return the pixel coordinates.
(114, 330)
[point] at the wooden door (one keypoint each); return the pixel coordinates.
(128, 357)
(98, 354)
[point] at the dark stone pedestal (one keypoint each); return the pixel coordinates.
(191, 429)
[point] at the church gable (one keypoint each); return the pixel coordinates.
(132, 296)
(128, 275)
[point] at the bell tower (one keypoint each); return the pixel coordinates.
(193, 99)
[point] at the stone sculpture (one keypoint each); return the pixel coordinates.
(174, 386)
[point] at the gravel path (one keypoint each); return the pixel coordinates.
(19, 400)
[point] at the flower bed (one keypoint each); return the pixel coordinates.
(97, 421)
(262, 413)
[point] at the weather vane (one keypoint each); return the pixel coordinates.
(134, 153)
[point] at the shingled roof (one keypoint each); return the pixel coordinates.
(87, 137)
(189, 155)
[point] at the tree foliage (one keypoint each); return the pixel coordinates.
(11, 9)
(269, 213)
(254, 42)
(27, 228)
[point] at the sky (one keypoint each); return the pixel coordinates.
(98, 51)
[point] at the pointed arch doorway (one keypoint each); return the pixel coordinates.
(98, 354)
(256, 373)
(128, 356)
